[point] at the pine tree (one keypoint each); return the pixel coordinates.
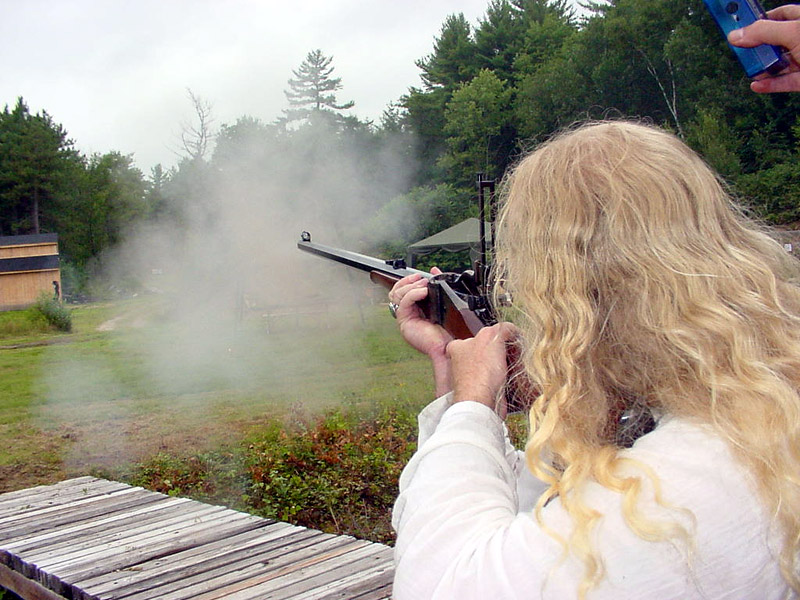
(313, 90)
(36, 163)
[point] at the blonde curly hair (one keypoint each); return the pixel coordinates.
(634, 276)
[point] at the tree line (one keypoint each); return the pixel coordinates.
(488, 92)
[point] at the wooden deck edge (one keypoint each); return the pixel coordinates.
(24, 587)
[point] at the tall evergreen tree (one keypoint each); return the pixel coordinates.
(453, 60)
(312, 92)
(36, 162)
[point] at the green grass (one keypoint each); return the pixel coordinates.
(112, 401)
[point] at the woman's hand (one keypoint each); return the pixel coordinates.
(478, 366)
(419, 332)
(780, 28)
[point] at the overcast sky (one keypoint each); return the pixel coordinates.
(115, 74)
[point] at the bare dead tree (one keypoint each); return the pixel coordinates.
(196, 136)
(669, 91)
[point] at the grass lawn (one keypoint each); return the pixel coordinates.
(137, 380)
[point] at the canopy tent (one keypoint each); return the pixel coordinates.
(463, 236)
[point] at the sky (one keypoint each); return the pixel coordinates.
(115, 74)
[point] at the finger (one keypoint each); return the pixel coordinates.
(408, 279)
(436, 271)
(777, 33)
(788, 12)
(455, 347)
(413, 296)
(402, 287)
(771, 85)
(500, 332)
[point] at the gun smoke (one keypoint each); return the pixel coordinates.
(226, 308)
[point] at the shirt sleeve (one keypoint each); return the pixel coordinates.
(461, 532)
(528, 487)
(458, 500)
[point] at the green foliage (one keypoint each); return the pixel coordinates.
(416, 215)
(453, 60)
(37, 164)
(475, 119)
(46, 315)
(774, 192)
(54, 312)
(216, 476)
(710, 135)
(312, 93)
(74, 280)
(338, 473)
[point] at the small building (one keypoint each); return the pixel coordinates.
(29, 265)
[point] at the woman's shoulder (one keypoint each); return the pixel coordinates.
(696, 467)
(705, 489)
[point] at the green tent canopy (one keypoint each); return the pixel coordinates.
(462, 236)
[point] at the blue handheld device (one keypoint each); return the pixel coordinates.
(730, 15)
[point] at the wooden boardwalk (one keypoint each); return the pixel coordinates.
(92, 539)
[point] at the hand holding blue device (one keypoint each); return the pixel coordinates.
(732, 14)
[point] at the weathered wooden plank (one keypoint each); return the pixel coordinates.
(73, 531)
(73, 517)
(124, 555)
(382, 593)
(90, 539)
(85, 487)
(300, 582)
(263, 568)
(24, 587)
(68, 487)
(150, 533)
(362, 578)
(245, 589)
(42, 515)
(230, 567)
(51, 489)
(181, 565)
(87, 548)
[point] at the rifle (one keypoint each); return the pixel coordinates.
(459, 302)
(455, 300)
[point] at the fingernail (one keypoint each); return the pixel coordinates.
(735, 36)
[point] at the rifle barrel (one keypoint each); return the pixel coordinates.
(360, 261)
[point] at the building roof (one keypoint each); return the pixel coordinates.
(25, 240)
(462, 236)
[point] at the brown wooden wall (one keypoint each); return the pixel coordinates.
(18, 290)
(21, 288)
(45, 249)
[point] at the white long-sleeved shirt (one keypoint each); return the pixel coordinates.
(465, 526)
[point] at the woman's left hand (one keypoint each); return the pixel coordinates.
(479, 368)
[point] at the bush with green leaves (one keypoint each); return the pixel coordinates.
(337, 472)
(53, 311)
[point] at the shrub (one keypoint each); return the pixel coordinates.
(216, 477)
(54, 312)
(338, 473)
